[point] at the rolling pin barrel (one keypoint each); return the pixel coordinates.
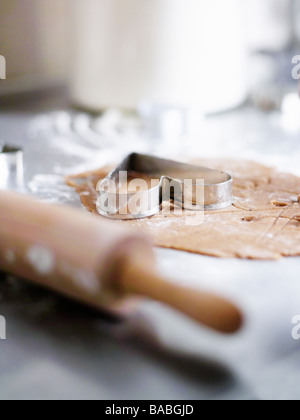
(94, 261)
(63, 248)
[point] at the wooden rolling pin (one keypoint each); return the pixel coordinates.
(94, 261)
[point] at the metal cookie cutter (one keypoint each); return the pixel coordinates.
(11, 168)
(188, 186)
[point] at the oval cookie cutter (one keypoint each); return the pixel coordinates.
(190, 187)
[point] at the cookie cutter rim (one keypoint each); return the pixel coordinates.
(222, 191)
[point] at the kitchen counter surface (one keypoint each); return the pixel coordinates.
(57, 349)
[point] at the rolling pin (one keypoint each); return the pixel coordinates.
(97, 262)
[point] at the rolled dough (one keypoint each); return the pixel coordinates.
(263, 223)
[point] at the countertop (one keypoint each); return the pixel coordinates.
(56, 349)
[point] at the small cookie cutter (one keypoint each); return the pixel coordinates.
(11, 168)
(192, 188)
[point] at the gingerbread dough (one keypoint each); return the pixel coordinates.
(263, 223)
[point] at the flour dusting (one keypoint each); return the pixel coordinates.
(41, 259)
(84, 279)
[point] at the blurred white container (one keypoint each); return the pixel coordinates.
(34, 41)
(270, 24)
(179, 53)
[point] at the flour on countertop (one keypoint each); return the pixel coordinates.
(41, 259)
(52, 189)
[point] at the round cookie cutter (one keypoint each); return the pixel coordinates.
(191, 187)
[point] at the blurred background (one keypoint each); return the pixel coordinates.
(165, 65)
(142, 54)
